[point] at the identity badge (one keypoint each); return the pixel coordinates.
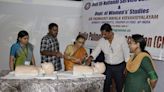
(27, 63)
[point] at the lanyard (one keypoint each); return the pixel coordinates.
(24, 50)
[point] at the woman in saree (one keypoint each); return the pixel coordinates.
(141, 74)
(21, 52)
(75, 53)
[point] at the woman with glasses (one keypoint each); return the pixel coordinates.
(75, 53)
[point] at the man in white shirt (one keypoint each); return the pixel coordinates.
(116, 52)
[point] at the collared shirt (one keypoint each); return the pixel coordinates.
(115, 53)
(49, 43)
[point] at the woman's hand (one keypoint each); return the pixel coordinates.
(153, 83)
(78, 61)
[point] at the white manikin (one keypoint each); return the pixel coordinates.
(96, 68)
(46, 68)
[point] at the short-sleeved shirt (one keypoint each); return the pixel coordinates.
(21, 53)
(49, 43)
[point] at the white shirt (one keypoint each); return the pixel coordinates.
(115, 53)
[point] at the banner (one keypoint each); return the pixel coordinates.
(126, 17)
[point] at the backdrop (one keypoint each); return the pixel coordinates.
(126, 17)
(35, 18)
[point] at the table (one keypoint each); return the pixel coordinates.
(87, 84)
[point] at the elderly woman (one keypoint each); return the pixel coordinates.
(75, 53)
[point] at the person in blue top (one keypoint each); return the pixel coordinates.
(21, 52)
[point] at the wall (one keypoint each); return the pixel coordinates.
(34, 16)
(160, 68)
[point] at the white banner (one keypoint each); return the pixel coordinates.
(126, 17)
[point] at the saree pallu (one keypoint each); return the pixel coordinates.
(79, 54)
(23, 54)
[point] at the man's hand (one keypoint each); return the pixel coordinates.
(89, 60)
(59, 54)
